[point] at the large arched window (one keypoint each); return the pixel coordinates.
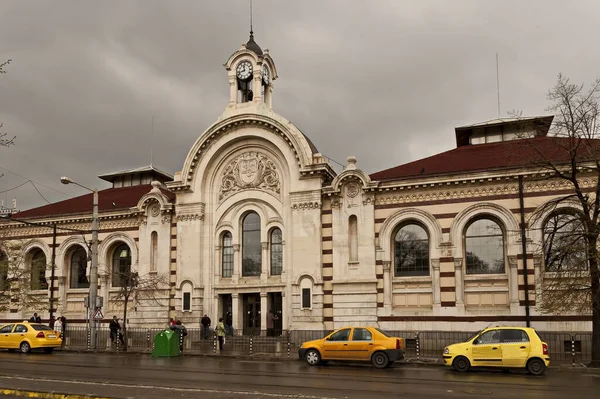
(3, 271)
(484, 247)
(38, 271)
(79, 268)
(251, 251)
(227, 255)
(564, 243)
(276, 252)
(411, 251)
(121, 265)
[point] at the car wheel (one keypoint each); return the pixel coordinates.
(48, 350)
(536, 367)
(313, 357)
(380, 360)
(25, 347)
(461, 364)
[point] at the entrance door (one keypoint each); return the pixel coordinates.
(252, 314)
(276, 305)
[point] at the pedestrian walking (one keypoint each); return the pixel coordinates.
(220, 330)
(205, 321)
(182, 332)
(115, 331)
(35, 318)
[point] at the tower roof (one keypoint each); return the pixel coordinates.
(253, 46)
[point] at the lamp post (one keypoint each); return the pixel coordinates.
(94, 267)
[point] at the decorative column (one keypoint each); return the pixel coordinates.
(218, 264)
(237, 264)
(458, 283)
(387, 286)
(236, 312)
(263, 313)
(257, 95)
(232, 90)
(435, 282)
(285, 317)
(513, 284)
(264, 246)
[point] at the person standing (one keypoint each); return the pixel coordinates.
(220, 330)
(115, 331)
(271, 323)
(229, 324)
(205, 321)
(35, 318)
(51, 321)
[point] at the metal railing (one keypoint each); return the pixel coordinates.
(422, 345)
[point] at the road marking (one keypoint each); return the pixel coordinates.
(198, 390)
(45, 395)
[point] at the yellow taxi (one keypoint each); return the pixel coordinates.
(26, 336)
(503, 347)
(367, 344)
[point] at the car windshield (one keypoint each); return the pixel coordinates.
(40, 327)
(473, 336)
(387, 334)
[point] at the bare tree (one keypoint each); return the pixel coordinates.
(148, 289)
(20, 284)
(571, 279)
(5, 140)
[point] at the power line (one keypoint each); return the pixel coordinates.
(333, 160)
(38, 191)
(36, 182)
(14, 188)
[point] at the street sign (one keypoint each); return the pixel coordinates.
(98, 315)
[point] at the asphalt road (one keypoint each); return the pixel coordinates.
(140, 376)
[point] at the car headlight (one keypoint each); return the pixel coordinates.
(446, 351)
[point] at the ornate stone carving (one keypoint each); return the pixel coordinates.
(512, 261)
(190, 217)
(236, 247)
(352, 190)
(306, 205)
(446, 248)
(368, 199)
(435, 264)
(386, 265)
(155, 210)
(250, 170)
(458, 263)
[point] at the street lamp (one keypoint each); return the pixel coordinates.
(94, 268)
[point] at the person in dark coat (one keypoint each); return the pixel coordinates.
(115, 331)
(205, 321)
(35, 318)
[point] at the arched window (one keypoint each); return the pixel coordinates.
(79, 268)
(276, 252)
(153, 250)
(251, 249)
(3, 271)
(227, 255)
(564, 243)
(411, 251)
(186, 297)
(121, 265)
(353, 238)
(38, 271)
(484, 247)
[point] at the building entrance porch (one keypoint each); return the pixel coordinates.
(252, 314)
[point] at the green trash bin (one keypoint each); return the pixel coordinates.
(166, 344)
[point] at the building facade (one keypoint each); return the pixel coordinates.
(257, 221)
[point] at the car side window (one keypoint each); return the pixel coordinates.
(514, 336)
(6, 329)
(488, 337)
(362, 334)
(21, 328)
(342, 335)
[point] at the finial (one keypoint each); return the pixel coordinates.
(351, 162)
(251, 32)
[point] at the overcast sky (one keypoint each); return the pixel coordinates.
(385, 81)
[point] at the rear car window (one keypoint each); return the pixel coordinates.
(539, 336)
(387, 334)
(40, 327)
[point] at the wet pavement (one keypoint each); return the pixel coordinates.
(140, 376)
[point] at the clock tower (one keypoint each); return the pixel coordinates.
(251, 73)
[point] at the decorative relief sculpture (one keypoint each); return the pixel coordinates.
(250, 170)
(352, 190)
(155, 210)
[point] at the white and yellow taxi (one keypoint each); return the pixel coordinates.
(26, 336)
(503, 347)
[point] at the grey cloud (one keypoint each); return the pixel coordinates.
(386, 81)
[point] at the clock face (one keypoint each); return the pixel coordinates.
(244, 70)
(266, 75)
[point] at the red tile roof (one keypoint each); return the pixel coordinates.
(122, 197)
(488, 157)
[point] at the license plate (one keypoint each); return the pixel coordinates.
(51, 335)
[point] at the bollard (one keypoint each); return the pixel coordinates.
(89, 339)
(418, 344)
(573, 349)
(289, 350)
(118, 342)
(214, 344)
(148, 339)
(250, 345)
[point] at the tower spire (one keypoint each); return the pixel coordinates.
(251, 31)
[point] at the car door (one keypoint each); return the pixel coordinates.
(361, 344)
(487, 349)
(335, 347)
(515, 348)
(6, 336)
(18, 335)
